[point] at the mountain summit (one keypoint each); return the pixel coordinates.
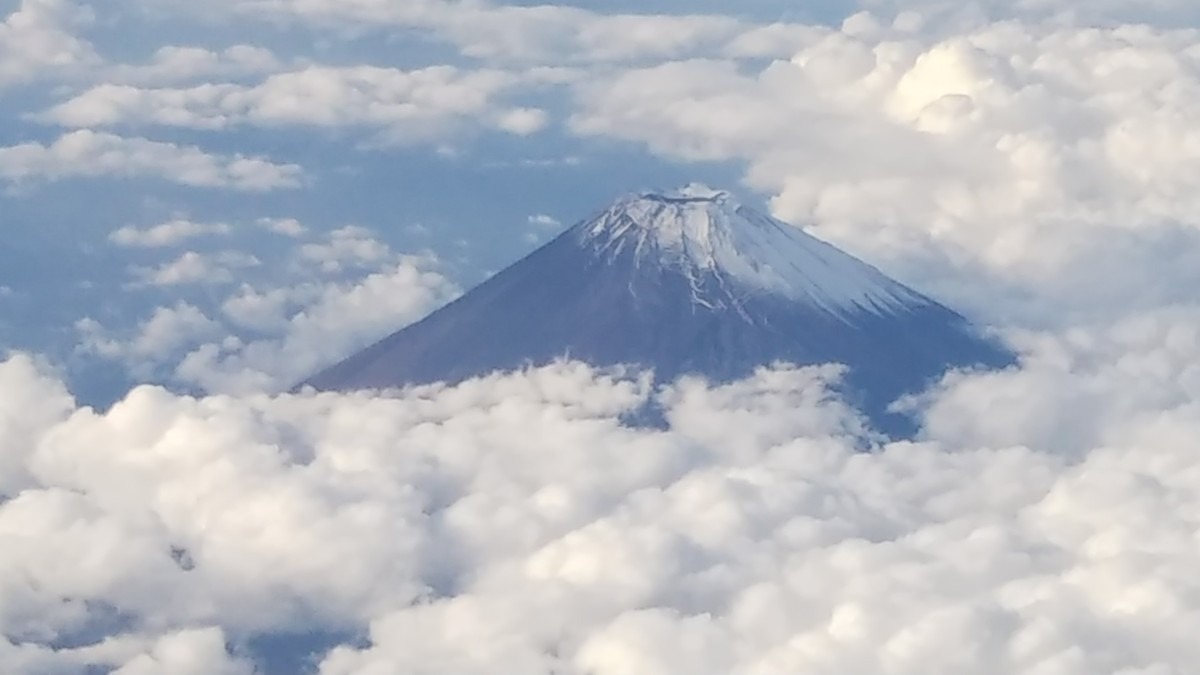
(707, 235)
(685, 281)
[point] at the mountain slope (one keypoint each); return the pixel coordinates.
(687, 281)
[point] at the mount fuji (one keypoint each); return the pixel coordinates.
(686, 281)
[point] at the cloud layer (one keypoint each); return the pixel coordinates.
(517, 515)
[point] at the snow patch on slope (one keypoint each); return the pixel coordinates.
(703, 231)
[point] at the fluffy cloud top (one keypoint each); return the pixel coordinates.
(310, 326)
(516, 514)
(328, 297)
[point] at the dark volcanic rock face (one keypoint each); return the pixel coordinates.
(685, 282)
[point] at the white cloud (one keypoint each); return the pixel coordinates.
(406, 106)
(541, 225)
(19, 423)
(288, 227)
(415, 12)
(194, 651)
(542, 220)
(97, 154)
(311, 326)
(522, 121)
(169, 233)
(228, 331)
(167, 331)
(1050, 160)
(175, 63)
(1084, 385)
(189, 652)
(514, 513)
(195, 268)
(37, 39)
(931, 15)
(348, 246)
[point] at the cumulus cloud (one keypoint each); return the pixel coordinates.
(350, 245)
(37, 38)
(200, 651)
(169, 233)
(18, 426)
(1054, 159)
(195, 268)
(1084, 384)
(229, 332)
(288, 227)
(517, 514)
(176, 63)
(167, 330)
(312, 325)
(94, 154)
(404, 105)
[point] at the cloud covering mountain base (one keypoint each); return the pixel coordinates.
(1052, 532)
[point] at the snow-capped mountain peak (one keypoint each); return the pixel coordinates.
(707, 234)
